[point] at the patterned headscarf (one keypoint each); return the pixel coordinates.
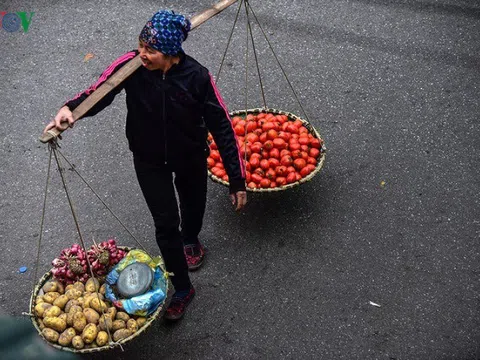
(166, 31)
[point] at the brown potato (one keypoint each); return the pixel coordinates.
(105, 322)
(41, 308)
(73, 294)
(121, 334)
(92, 285)
(68, 287)
(79, 321)
(102, 338)
(102, 289)
(63, 316)
(91, 315)
(121, 315)
(53, 286)
(132, 325)
(118, 324)
(40, 324)
(50, 335)
(98, 305)
(141, 321)
(77, 342)
(61, 301)
(55, 323)
(50, 297)
(89, 333)
(52, 311)
(39, 300)
(73, 310)
(79, 286)
(69, 304)
(66, 337)
(112, 312)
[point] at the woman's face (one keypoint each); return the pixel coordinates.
(152, 59)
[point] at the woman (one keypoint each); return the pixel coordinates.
(171, 100)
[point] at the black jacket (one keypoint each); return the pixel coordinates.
(168, 115)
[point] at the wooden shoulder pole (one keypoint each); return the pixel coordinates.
(128, 69)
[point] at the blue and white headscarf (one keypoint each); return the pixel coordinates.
(166, 31)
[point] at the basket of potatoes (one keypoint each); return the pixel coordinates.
(79, 319)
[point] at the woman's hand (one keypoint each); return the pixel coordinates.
(239, 200)
(62, 121)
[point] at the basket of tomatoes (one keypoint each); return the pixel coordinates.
(280, 150)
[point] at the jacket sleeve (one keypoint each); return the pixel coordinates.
(219, 124)
(107, 99)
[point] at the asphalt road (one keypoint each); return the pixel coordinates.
(393, 218)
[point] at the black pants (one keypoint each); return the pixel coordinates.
(157, 184)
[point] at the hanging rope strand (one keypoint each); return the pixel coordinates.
(279, 64)
(228, 42)
(42, 221)
(255, 53)
(99, 198)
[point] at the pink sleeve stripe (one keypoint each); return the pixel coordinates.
(106, 74)
(222, 104)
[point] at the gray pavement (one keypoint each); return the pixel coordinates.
(393, 87)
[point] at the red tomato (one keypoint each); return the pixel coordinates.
(261, 116)
(263, 137)
(265, 154)
(264, 164)
(290, 169)
(268, 145)
(281, 181)
(268, 126)
(279, 143)
(304, 155)
(269, 116)
(210, 162)
(254, 162)
(215, 155)
(256, 178)
(213, 146)
(298, 176)
(219, 165)
(304, 148)
(258, 132)
(221, 173)
(248, 176)
(248, 151)
(303, 130)
(284, 126)
(303, 140)
(270, 174)
(256, 147)
(284, 135)
(294, 146)
(296, 154)
(291, 178)
(272, 134)
(251, 138)
(311, 160)
(286, 160)
(250, 117)
(251, 125)
(256, 155)
(305, 171)
(298, 123)
(265, 183)
(292, 128)
(252, 185)
(314, 153)
(242, 123)
(275, 153)
(281, 170)
(274, 162)
(273, 184)
(259, 171)
(247, 166)
(315, 143)
(299, 164)
(225, 177)
(281, 118)
(284, 152)
(239, 130)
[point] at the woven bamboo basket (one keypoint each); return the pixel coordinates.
(38, 289)
(291, 117)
